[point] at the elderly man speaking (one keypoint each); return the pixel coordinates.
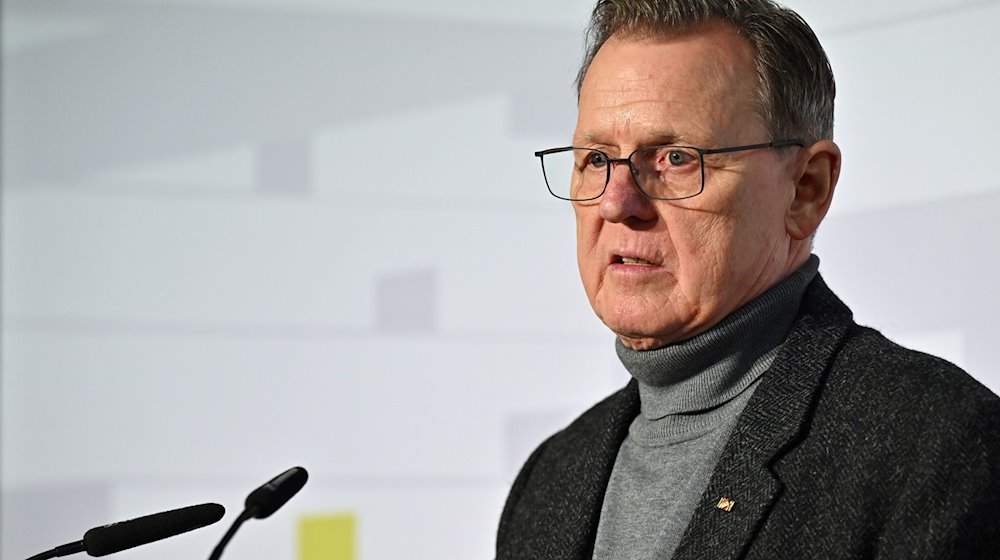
(761, 421)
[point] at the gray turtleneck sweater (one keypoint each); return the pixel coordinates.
(691, 395)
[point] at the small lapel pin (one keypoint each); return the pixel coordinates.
(725, 504)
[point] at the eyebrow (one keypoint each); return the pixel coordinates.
(667, 137)
(657, 138)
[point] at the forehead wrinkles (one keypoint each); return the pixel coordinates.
(713, 53)
(618, 101)
(622, 113)
(701, 82)
(636, 108)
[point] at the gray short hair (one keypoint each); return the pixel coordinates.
(796, 87)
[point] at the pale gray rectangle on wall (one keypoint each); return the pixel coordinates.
(284, 167)
(407, 301)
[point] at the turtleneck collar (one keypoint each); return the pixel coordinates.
(708, 370)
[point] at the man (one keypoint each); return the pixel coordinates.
(761, 422)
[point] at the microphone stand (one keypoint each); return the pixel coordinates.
(217, 552)
(64, 550)
(264, 501)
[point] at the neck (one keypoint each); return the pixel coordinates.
(715, 366)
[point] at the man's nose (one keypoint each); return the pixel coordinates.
(622, 200)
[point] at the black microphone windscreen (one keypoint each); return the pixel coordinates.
(101, 541)
(268, 498)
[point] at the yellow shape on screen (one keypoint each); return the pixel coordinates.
(328, 537)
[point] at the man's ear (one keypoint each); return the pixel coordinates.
(816, 175)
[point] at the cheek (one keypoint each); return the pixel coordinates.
(700, 235)
(760, 222)
(588, 229)
(706, 241)
(588, 226)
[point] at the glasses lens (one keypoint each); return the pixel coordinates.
(577, 174)
(668, 172)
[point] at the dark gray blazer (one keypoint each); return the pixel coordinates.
(850, 447)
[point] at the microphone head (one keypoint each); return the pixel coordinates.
(266, 500)
(101, 541)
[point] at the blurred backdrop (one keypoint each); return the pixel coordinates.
(239, 236)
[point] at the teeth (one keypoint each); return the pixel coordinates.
(629, 260)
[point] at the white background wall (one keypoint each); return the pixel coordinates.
(243, 235)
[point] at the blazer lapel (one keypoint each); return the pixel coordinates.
(743, 488)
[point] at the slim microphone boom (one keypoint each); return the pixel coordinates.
(264, 501)
(101, 541)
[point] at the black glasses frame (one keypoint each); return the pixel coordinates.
(702, 152)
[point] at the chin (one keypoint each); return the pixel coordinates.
(643, 322)
(642, 343)
(646, 335)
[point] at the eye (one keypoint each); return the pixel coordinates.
(678, 158)
(598, 160)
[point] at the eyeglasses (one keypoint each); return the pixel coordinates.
(661, 172)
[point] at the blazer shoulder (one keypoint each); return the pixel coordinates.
(554, 504)
(605, 422)
(919, 436)
(891, 374)
(894, 400)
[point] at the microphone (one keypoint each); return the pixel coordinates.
(264, 501)
(101, 541)
(268, 498)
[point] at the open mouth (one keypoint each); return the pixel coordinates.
(631, 260)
